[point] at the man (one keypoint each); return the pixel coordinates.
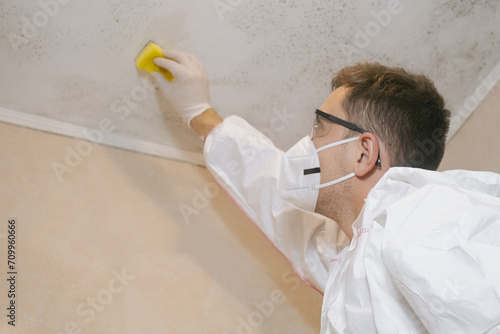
(357, 208)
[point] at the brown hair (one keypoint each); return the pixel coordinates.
(402, 109)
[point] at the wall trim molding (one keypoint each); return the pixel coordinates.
(108, 139)
(173, 153)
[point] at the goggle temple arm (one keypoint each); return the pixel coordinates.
(348, 125)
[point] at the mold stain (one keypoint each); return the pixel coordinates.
(296, 48)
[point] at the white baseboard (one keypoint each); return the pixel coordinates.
(108, 139)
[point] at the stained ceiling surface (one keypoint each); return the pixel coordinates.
(268, 61)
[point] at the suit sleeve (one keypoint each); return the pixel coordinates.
(247, 164)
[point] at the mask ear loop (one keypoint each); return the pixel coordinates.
(378, 163)
(331, 183)
(348, 140)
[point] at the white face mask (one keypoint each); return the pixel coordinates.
(299, 181)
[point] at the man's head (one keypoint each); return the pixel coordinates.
(403, 110)
(402, 119)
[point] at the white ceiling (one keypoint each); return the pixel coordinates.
(73, 61)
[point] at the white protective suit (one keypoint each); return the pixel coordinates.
(425, 256)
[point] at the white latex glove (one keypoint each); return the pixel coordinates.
(188, 92)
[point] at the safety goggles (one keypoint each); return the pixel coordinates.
(321, 127)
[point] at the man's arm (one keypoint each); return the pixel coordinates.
(247, 165)
(204, 123)
(188, 93)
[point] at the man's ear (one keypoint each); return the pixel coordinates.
(367, 154)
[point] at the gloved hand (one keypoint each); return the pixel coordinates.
(188, 92)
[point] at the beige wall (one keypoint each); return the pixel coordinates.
(117, 213)
(476, 146)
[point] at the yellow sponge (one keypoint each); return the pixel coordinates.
(145, 61)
